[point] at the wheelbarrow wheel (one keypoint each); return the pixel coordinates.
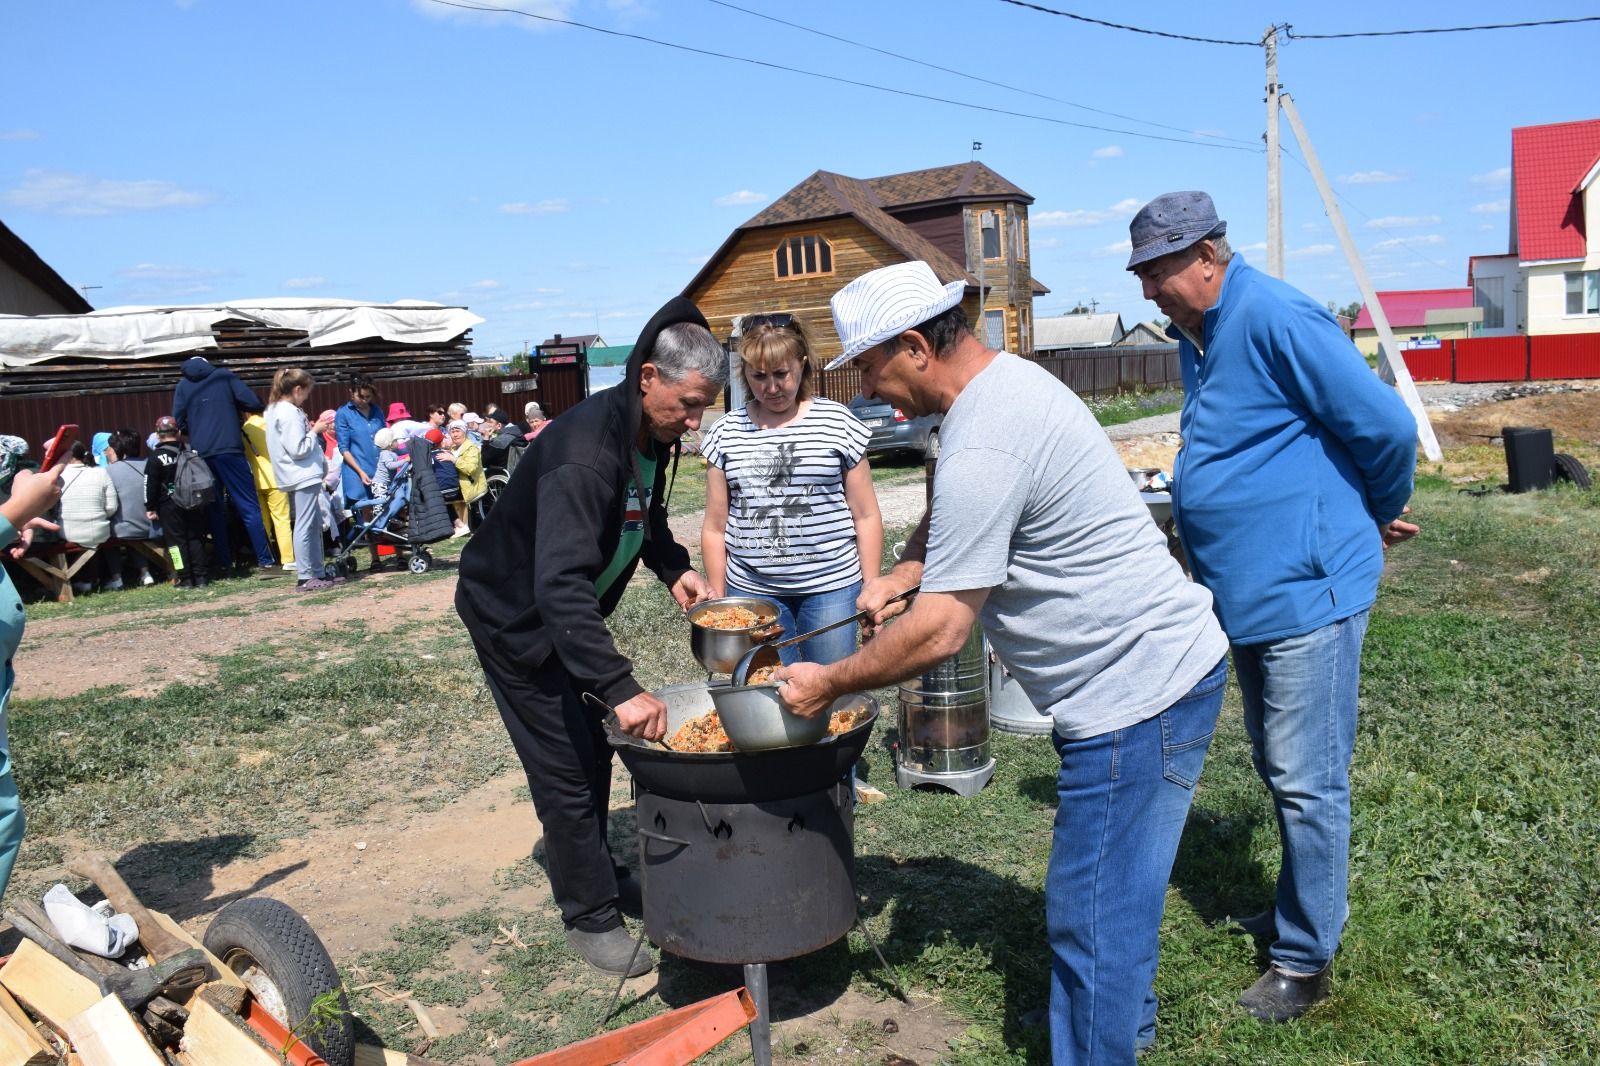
(279, 957)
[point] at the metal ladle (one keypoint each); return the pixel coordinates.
(768, 653)
(611, 716)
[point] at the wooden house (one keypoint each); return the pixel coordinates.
(965, 221)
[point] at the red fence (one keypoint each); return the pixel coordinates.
(1519, 358)
(35, 418)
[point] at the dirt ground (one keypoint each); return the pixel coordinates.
(356, 883)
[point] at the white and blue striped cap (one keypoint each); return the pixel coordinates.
(886, 302)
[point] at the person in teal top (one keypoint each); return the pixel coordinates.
(32, 495)
(633, 519)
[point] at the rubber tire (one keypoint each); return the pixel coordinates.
(930, 452)
(420, 563)
(262, 929)
(495, 486)
(1566, 468)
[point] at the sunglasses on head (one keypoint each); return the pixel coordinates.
(749, 323)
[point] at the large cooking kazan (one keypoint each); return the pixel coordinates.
(736, 776)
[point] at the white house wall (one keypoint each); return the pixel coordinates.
(1546, 286)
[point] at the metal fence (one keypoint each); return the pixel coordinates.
(1107, 371)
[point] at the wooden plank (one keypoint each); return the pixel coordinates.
(20, 1042)
(49, 988)
(372, 1055)
(213, 1038)
(107, 1035)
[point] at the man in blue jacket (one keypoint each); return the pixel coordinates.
(1296, 466)
(210, 403)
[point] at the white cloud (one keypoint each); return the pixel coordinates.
(1118, 211)
(56, 192)
(1313, 227)
(548, 292)
(743, 196)
(1118, 248)
(1110, 151)
(1371, 177)
(19, 135)
(310, 282)
(165, 272)
(1411, 242)
(1493, 207)
(502, 12)
(1311, 250)
(543, 207)
(1401, 221)
(616, 316)
(486, 283)
(1498, 176)
(1251, 249)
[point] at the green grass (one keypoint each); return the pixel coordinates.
(1474, 936)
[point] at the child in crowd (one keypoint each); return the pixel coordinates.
(293, 444)
(183, 529)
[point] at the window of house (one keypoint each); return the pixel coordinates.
(994, 329)
(799, 257)
(1024, 332)
(989, 223)
(1490, 296)
(1020, 243)
(1583, 292)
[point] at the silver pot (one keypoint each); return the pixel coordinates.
(719, 650)
(755, 718)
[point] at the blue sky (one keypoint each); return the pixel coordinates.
(556, 179)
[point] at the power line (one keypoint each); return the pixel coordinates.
(1289, 32)
(841, 81)
(1415, 253)
(1130, 29)
(974, 77)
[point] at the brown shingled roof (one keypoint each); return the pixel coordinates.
(826, 195)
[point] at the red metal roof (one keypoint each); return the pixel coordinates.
(1547, 162)
(1407, 309)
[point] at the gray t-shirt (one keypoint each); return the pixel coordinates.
(1085, 607)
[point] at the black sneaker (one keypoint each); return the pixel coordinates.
(610, 951)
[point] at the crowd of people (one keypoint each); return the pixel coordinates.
(1039, 537)
(275, 483)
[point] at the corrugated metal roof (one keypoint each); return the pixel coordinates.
(1547, 163)
(1077, 331)
(1408, 308)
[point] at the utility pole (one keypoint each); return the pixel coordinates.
(1390, 363)
(1274, 160)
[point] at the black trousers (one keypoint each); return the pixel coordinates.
(564, 752)
(183, 530)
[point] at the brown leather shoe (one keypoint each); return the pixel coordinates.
(1279, 997)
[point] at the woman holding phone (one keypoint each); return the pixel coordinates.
(32, 496)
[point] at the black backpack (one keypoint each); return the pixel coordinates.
(192, 482)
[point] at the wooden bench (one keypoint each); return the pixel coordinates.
(54, 563)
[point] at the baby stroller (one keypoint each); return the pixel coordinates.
(410, 518)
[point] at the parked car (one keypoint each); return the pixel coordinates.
(894, 431)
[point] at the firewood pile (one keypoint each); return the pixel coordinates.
(253, 351)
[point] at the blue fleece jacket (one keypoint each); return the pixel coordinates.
(208, 405)
(1294, 452)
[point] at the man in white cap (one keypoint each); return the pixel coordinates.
(1296, 466)
(1041, 536)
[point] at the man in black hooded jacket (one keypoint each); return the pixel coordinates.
(539, 578)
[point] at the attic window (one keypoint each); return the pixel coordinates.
(800, 257)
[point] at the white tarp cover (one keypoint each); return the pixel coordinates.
(144, 332)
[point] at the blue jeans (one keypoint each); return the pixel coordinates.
(1124, 799)
(232, 470)
(802, 614)
(1300, 711)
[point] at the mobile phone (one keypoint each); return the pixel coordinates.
(59, 445)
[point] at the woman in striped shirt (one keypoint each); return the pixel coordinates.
(790, 509)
